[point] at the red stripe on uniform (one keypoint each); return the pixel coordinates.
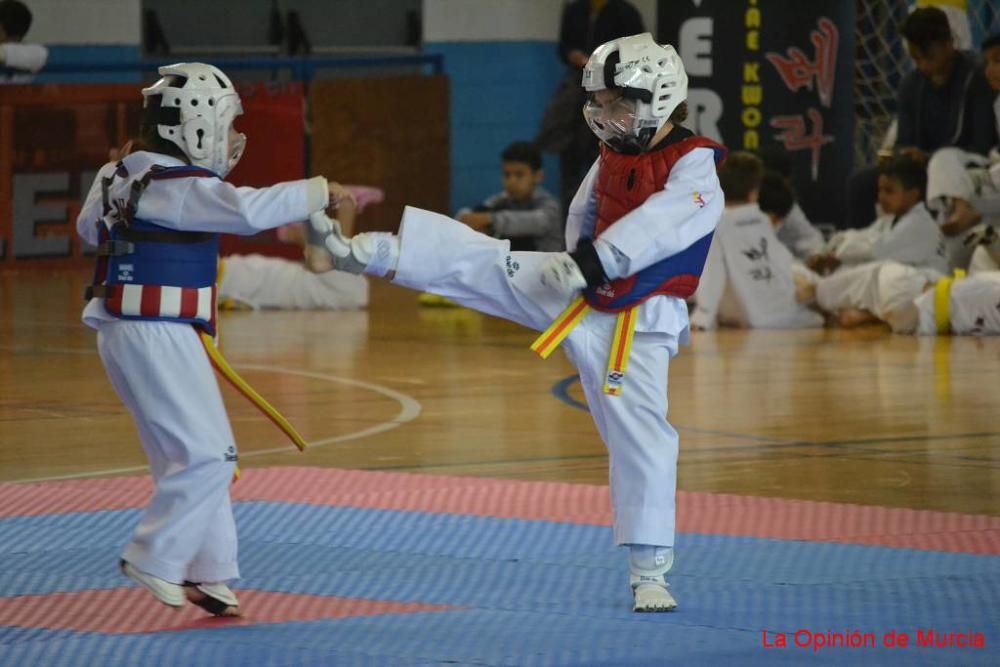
(623, 342)
(562, 326)
(215, 312)
(113, 304)
(189, 302)
(149, 306)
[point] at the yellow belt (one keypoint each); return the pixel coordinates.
(960, 4)
(225, 370)
(550, 339)
(942, 301)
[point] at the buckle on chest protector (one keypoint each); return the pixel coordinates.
(115, 248)
(99, 292)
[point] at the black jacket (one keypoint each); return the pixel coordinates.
(617, 19)
(970, 123)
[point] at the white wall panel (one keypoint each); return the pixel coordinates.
(95, 22)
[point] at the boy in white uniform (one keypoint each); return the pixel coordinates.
(964, 306)
(905, 233)
(912, 300)
(638, 231)
(749, 280)
(793, 227)
(871, 292)
(155, 216)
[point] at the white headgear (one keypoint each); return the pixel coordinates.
(197, 106)
(653, 83)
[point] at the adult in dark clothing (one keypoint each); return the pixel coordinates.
(944, 101)
(586, 24)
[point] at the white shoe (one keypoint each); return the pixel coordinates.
(648, 566)
(220, 592)
(164, 591)
(652, 596)
(215, 598)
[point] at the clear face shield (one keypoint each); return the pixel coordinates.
(612, 118)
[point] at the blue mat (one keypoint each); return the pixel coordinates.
(524, 592)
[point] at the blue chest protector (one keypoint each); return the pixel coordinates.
(149, 272)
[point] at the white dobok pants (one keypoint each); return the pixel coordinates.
(163, 375)
(444, 257)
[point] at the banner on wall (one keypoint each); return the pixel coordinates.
(775, 73)
(54, 138)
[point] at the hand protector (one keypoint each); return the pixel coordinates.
(570, 272)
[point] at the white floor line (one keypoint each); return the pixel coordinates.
(409, 409)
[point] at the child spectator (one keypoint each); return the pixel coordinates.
(749, 280)
(906, 232)
(793, 227)
(914, 300)
(524, 213)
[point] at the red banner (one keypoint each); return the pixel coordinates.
(53, 138)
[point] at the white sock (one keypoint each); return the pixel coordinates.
(650, 559)
(648, 566)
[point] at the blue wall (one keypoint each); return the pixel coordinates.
(78, 55)
(499, 91)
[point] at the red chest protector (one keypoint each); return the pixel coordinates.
(624, 183)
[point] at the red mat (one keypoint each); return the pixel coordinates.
(132, 610)
(708, 513)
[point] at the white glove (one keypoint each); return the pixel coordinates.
(561, 273)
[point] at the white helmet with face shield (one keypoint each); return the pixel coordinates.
(193, 106)
(652, 84)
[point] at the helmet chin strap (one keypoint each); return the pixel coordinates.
(646, 137)
(628, 146)
(632, 145)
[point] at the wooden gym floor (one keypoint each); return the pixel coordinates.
(846, 416)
